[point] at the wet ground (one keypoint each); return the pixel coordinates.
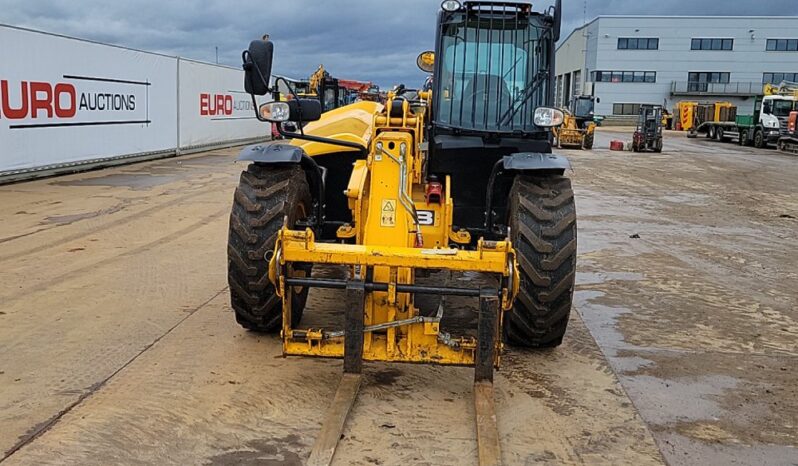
(118, 345)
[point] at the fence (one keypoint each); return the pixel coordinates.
(68, 104)
(736, 89)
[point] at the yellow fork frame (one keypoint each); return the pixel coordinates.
(417, 340)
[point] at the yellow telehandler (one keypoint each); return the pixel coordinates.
(457, 177)
(578, 127)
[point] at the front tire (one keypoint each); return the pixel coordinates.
(658, 145)
(587, 144)
(543, 227)
(265, 196)
(759, 139)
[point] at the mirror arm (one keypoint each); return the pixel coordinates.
(296, 97)
(307, 137)
(257, 111)
(363, 150)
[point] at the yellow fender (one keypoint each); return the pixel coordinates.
(351, 123)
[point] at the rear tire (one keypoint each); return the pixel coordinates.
(743, 138)
(719, 134)
(759, 139)
(711, 132)
(543, 226)
(264, 197)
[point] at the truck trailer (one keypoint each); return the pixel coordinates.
(763, 126)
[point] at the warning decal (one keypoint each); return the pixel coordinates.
(388, 213)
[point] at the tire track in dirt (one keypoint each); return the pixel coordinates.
(132, 252)
(39, 429)
(107, 226)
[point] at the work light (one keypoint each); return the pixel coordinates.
(450, 5)
(546, 117)
(275, 111)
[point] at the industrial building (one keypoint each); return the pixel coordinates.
(630, 60)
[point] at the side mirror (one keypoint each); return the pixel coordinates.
(598, 100)
(258, 66)
(310, 108)
(557, 20)
(767, 108)
(426, 61)
(279, 112)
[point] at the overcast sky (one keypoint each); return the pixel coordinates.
(370, 40)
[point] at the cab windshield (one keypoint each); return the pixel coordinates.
(583, 107)
(782, 108)
(489, 76)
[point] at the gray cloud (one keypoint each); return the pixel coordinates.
(374, 40)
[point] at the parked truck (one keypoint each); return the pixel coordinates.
(763, 126)
(789, 143)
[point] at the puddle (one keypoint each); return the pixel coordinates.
(681, 450)
(71, 218)
(683, 399)
(590, 278)
(126, 180)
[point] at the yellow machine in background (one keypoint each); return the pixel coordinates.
(685, 113)
(692, 114)
(578, 125)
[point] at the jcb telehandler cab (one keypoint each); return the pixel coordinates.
(458, 176)
(578, 128)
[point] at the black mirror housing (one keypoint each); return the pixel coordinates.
(557, 20)
(310, 109)
(258, 66)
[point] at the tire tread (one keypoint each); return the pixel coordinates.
(543, 224)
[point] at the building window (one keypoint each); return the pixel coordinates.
(625, 109)
(638, 43)
(699, 81)
(577, 83)
(625, 76)
(782, 45)
(777, 78)
(712, 44)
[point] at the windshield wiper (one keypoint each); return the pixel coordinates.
(516, 105)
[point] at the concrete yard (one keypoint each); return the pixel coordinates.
(118, 344)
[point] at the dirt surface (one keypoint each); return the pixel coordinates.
(118, 345)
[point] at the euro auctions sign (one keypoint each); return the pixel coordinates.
(65, 102)
(233, 104)
(73, 100)
(214, 107)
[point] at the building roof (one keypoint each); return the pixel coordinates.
(667, 17)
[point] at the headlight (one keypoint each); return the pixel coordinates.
(274, 111)
(450, 5)
(546, 117)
